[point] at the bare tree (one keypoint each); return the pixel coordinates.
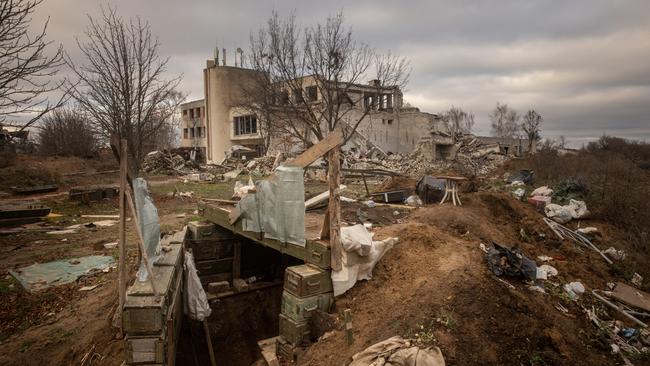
(168, 135)
(305, 77)
(122, 85)
(505, 121)
(65, 131)
(532, 128)
(458, 121)
(26, 71)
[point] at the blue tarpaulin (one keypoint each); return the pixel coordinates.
(39, 276)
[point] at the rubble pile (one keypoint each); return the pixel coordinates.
(468, 156)
(261, 166)
(158, 162)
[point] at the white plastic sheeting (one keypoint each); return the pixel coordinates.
(196, 302)
(397, 351)
(356, 265)
(278, 207)
(563, 214)
(149, 225)
(542, 191)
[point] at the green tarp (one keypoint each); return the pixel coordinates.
(39, 276)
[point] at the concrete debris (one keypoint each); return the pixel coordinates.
(637, 280)
(469, 155)
(542, 191)
(574, 289)
(615, 253)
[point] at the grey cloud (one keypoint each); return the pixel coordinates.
(582, 64)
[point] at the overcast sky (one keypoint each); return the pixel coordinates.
(584, 65)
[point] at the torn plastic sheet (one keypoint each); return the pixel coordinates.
(357, 267)
(149, 225)
(278, 207)
(196, 306)
(39, 276)
(510, 262)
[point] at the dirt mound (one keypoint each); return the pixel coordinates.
(395, 183)
(434, 287)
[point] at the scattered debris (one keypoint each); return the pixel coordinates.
(615, 253)
(112, 245)
(574, 289)
(637, 280)
(510, 262)
(562, 231)
(543, 191)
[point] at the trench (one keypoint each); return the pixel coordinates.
(239, 321)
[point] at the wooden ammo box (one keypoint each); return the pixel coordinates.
(307, 280)
(215, 266)
(142, 314)
(286, 350)
(300, 309)
(208, 230)
(145, 349)
(318, 253)
(294, 332)
(203, 249)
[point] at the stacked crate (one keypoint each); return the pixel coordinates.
(213, 250)
(151, 325)
(307, 288)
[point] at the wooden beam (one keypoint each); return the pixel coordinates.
(334, 207)
(130, 167)
(325, 229)
(334, 139)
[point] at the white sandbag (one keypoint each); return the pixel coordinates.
(356, 238)
(542, 191)
(557, 213)
(397, 351)
(196, 302)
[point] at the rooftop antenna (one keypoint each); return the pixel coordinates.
(216, 56)
(224, 56)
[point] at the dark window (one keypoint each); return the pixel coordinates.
(185, 112)
(312, 93)
(390, 121)
(192, 113)
(192, 132)
(283, 97)
(185, 133)
(297, 96)
(245, 125)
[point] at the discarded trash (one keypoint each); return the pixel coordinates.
(112, 245)
(615, 253)
(637, 280)
(510, 262)
(88, 288)
(542, 191)
(574, 289)
(587, 230)
(397, 351)
(545, 271)
(558, 213)
(524, 176)
(241, 190)
(544, 258)
(413, 200)
(43, 275)
(537, 288)
(629, 332)
(370, 203)
(519, 193)
(539, 202)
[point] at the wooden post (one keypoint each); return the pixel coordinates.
(334, 207)
(365, 184)
(347, 314)
(236, 260)
(208, 339)
(122, 229)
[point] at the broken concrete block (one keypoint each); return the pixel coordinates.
(218, 287)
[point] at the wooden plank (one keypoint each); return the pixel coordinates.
(347, 314)
(334, 207)
(334, 139)
(219, 216)
(325, 229)
(631, 296)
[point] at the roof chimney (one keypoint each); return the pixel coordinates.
(374, 82)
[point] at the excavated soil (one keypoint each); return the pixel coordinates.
(435, 283)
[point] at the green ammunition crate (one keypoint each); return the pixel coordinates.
(204, 249)
(208, 230)
(286, 350)
(300, 309)
(307, 280)
(294, 332)
(142, 314)
(145, 349)
(215, 266)
(318, 253)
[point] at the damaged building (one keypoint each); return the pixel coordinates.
(221, 121)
